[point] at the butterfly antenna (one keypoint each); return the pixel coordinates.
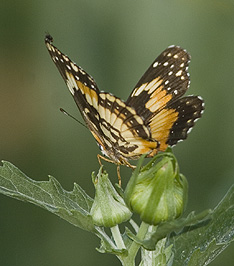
(66, 113)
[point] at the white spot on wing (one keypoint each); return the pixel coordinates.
(75, 68)
(189, 130)
(179, 73)
(65, 58)
(71, 83)
(155, 64)
(153, 85)
(199, 97)
(82, 71)
(138, 91)
(101, 95)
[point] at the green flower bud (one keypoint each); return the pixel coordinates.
(158, 192)
(109, 208)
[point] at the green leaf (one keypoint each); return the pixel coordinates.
(73, 206)
(201, 245)
(164, 229)
(107, 245)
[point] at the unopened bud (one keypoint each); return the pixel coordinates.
(158, 192)
(109, 208)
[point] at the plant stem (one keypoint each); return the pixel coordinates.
(134, 225)
(117, 237)
(130, 259)
(140, 235)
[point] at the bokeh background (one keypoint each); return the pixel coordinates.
(114, 41)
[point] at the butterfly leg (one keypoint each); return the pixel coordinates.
(110, 161)
(130, 166)
(103, 158)
(118, 174)
(125, 162)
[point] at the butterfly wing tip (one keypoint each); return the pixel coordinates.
(48, 38)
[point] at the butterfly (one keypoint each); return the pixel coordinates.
(154, 116)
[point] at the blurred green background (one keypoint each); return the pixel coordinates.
(114, 41)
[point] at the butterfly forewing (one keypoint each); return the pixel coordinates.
(165, 80)
(114, 124)
(82, 87)
(153, 117)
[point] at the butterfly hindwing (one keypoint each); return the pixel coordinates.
(189, 109)
(173, 123)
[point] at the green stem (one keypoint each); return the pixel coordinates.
(134, 225)
(117, 237)
(140, 235)
(132, 251)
